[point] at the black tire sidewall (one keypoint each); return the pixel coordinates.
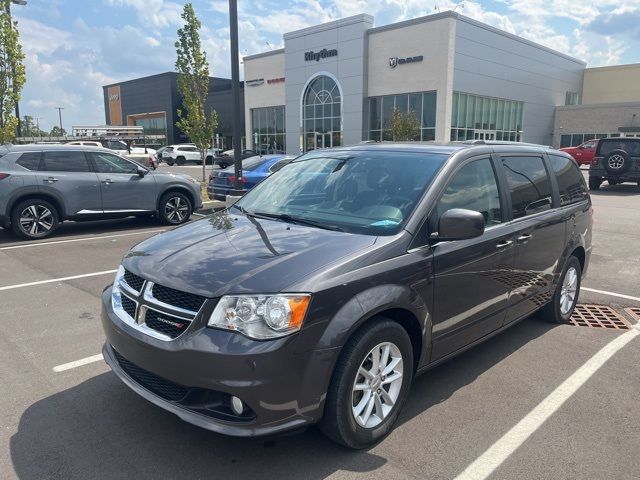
(181, 161)
(338, 414)
(15, 218)
(625, 166)
(556, 315)
(594, 183)
(163, 201)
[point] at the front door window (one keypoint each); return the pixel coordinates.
(322, 113)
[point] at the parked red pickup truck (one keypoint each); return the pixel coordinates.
(584, 153)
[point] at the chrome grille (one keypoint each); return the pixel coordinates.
(177, 298)
(133, 280)
(129, 306)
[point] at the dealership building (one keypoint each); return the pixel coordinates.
(152, 102)
(338, 83)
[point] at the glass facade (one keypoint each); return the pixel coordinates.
(474, 117)
(322, 114)
(268, 129)
(421, 104)
(575, 139)
(152, 125)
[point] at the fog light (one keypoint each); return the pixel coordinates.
(237, 406)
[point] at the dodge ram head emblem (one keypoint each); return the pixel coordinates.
(393, 61)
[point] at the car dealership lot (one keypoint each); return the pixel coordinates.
(79, 421)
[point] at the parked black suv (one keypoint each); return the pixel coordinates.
(616, 160)
(325, 290)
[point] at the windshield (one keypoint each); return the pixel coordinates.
(355, 191)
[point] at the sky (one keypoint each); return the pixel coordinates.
(74, 47)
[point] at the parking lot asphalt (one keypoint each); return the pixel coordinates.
(79, 421)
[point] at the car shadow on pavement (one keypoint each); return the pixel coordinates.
(101, 429)
(625, 189)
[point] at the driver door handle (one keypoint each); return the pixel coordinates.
(107, 181)
(51, 179)
(503, 244)
(525, 237)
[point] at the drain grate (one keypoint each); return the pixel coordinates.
(634, 312)
(598, 316)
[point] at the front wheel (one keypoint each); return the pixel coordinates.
(34, 218)
(565, 298)
(181, 161)
(369, 386)
(175, 208)
(594, 183)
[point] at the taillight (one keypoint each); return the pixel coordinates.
(232, 179)
(4, 175)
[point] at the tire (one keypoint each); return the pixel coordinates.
(617, 162)
(181, 161)
(562, 304)
(175, 208)
(223, 165)
(209, 160)
(594, 183)
(170, 162)
(339, 421)
(49, 218)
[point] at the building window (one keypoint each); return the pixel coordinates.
(420, 104)
(322, 114)
(575, 139)
(267, 128)
(474, 117)
(571, 98)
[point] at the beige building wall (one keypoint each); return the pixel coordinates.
(267, 67)
(435, 41)
(616, 84)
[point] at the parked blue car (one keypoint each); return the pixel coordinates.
(254, 170)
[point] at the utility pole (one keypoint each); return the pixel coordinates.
(235, 93)
(60, 117)
(17, 2)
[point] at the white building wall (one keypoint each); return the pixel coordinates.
(265, 66)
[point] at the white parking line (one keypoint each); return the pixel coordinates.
(613, 294)
(77, 363)
(54, 280)
(496, 455)
(83, 239)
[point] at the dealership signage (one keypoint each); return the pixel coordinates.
(395, 61)
(271, 81)
(312, 56)
(114, 97)
(254, 83)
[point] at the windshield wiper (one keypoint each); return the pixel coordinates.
(285, 217)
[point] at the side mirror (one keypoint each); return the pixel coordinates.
(459, 224)
(142, 171)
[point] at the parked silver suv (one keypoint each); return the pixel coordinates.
(42, 185)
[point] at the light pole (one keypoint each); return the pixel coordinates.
(60, 117)
(235, 92)
(17, 2)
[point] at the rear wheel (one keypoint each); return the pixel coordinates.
(175, 208)
(369, 386)
(209, 160)
(565, 298)
(34, 218)
(170, 162)
(594, 183)
(181, 161)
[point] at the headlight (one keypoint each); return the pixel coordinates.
(261, 317)
(116, 297)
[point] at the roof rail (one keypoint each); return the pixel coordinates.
(503, 142)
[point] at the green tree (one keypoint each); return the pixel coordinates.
(57, 132)
(405, 126)
(193, 85)
(12, 73)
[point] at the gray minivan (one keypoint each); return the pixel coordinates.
(43, 185)
(323, 292)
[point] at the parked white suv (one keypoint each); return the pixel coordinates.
(182, 153)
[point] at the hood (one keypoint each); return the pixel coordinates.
(568, 149)
(231, 254)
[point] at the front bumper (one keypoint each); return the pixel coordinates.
(283, 388)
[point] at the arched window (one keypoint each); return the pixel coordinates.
(321, 112)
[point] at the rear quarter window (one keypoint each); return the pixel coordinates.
(571, 184)
(29, 160)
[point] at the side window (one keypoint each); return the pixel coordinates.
(278, 165)
(29, 160)
(55, 161)
(108, 163)
(529, 185)
(474, 187)
(570, 180)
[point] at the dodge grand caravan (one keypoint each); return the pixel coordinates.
(325, 290)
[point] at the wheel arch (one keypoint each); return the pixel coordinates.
(180, 189)
(20, 196)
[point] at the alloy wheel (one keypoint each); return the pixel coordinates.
(616, 161)
(377, 385)
(36, 220)
(568, 290)
(176, 209)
